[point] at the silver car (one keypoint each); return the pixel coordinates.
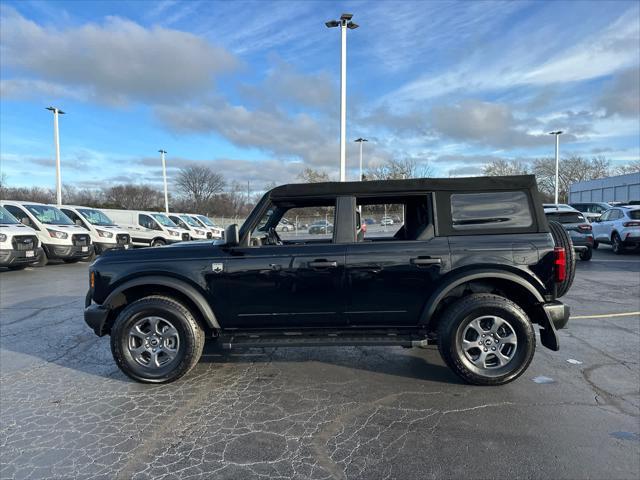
(591, 210)
(619, 227)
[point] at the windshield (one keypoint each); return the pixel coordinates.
(163, 220)
(566, 217)
(96, 217)
(205, 220)
(49, 215)
(6, 218)
(189, 221)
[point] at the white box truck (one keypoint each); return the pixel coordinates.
(148, 228)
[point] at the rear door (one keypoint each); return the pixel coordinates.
(393, 269)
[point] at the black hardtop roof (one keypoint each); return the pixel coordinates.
(467, 184)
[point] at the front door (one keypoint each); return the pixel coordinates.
(280, 286)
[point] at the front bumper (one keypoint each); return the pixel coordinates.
(102, 247)
(9, 258)
(63, 252)
(95, 315)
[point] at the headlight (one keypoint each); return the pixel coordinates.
(199, 232)
(175, 234)
(57, 234)
(3, 237)
(104, 234)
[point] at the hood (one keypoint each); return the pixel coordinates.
(186, 249)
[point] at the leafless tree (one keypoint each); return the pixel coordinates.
(633, 167)
(309, 175)
(573, 169)
(200, 184)
(139, 197)
(396, 169)
(500, 167)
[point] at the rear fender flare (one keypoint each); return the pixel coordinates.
(435, 299)
(183, 287)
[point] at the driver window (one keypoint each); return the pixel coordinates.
(313, 224)
(147, 222)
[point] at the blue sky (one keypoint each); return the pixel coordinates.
(252, 88)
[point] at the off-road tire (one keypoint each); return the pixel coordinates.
(616, 244)
(562, 239)
(457, 317)
(191, 337)
(586, 255)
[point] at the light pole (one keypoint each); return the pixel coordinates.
(557, 133)
(56, 141)
(361, 141)
(164, 177)
(344, 23)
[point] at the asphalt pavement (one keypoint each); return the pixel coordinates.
(67, 412)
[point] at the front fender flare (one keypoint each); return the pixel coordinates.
(181, 286)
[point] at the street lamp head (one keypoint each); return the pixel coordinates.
(162, 151)
(332, 23)
(346, 16)
(352, 26)
(54, 109)
(558, 132)
(361, 140)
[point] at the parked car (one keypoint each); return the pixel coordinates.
(591, 210)
(386, 221)
(149, 229)
(217, 232)
(473, 279)
(19, 244)
(105, 235)
(369, 221)
(195, 229)
(285, 226)
(59, 237)
(558, 206)
(619, 227)
(578, 227)
(321, 226)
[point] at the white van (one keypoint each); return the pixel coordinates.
(105, 235)
(148, 228)
(59, 236)
(216, 231)
(197, 231)
(19, 244)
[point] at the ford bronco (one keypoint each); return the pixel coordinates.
(472, 265)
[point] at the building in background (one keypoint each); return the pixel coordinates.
(621, 188)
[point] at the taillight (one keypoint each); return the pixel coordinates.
(560, 263)
(631, 224)
(585, 228)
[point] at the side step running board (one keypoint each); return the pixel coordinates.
(320, 340)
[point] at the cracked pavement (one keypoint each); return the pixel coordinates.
(66, 411)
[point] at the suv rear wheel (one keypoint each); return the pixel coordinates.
(156, 340)
(486, 339)
(616, 244)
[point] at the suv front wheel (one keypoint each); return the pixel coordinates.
(156, 340)
(486, 339)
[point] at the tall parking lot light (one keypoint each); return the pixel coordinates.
(344, 23)
(557, 133)
(361, 141)
(164, 177)
(56, 141)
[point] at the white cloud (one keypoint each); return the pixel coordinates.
(116, 62)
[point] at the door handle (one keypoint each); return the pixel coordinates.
(423, 261)
(323, 264)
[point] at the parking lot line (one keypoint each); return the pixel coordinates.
(606, 315)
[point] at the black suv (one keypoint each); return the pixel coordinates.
(472, 266)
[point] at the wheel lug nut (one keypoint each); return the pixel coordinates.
(479, 343)
(493, 348)
(483, 335)
(486, 350)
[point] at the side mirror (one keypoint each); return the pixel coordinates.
(232, 236)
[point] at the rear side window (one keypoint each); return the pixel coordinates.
(479, 211)
(634, 214)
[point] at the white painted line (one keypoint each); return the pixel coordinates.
(621, 261)
(606, 315)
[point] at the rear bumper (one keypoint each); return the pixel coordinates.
(63, 252)
(9, 258)
(95, 316)
(631, 239)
